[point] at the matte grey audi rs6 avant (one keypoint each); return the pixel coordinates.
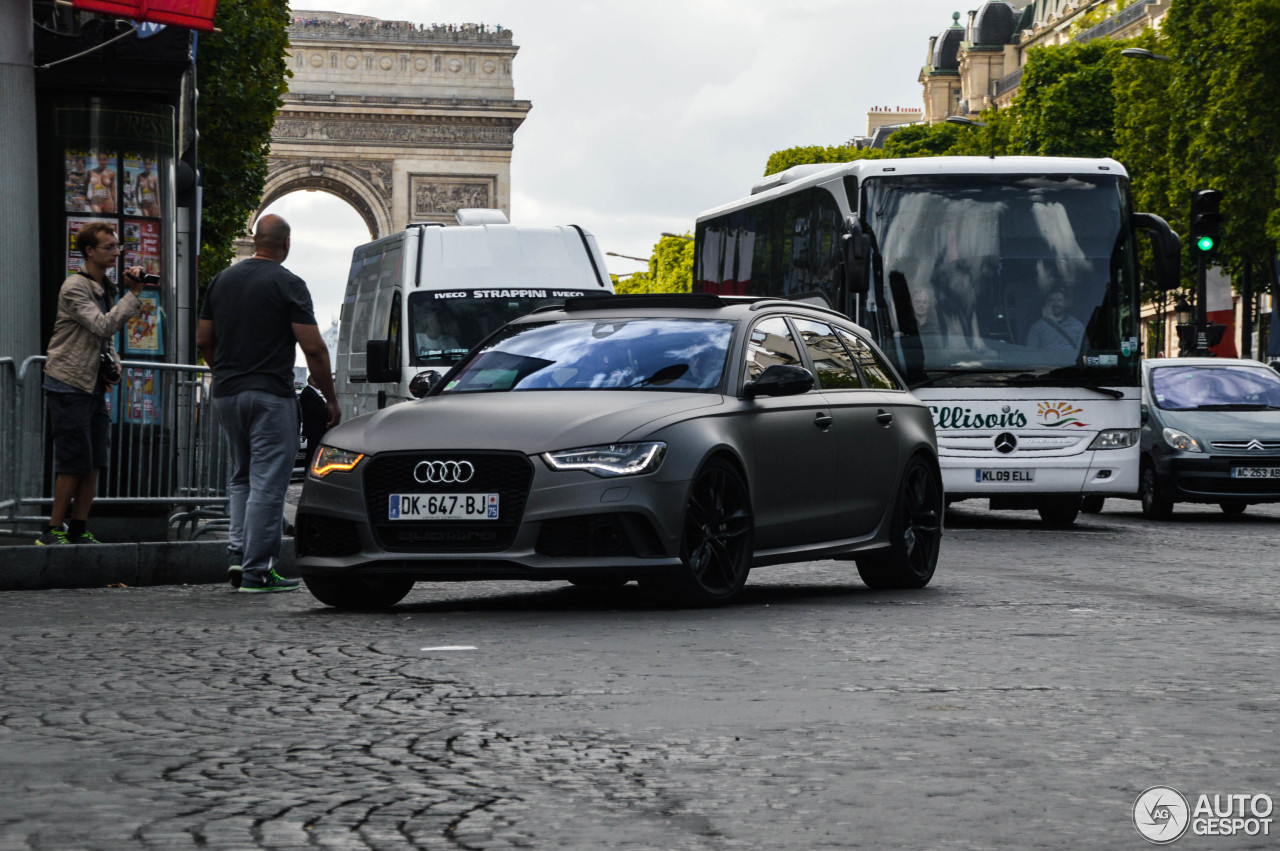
(676, 440)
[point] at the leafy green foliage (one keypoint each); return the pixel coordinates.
(1065, 106)
(241, 76)
(815, 154)
(670, 269)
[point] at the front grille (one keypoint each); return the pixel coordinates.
(1246, 445)
(325, 536)
(620, 535)
(507, 474)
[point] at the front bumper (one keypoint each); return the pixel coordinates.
(1106, 472)
(565, 524)
(1197, 477)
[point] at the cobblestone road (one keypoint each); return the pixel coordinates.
(1022, 700)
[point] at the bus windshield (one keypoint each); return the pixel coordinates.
(444, 325)
(1004, 279)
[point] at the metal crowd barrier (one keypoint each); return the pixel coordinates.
(167, 449)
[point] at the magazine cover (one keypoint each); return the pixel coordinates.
(141, 399)
(142, 333)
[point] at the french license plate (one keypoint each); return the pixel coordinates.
(982, 476)
(1255, 472)
(442, 506)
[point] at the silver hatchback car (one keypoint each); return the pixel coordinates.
(675, 440)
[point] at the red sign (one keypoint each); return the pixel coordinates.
(192, 14)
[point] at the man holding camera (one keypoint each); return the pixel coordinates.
(82, 362)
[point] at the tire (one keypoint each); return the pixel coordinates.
(1155, 506)
(359, 593)
(1059, 511)
(1233, 508)
(1092, 504)
(717, 539)
(915, 533)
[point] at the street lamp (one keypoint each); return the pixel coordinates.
(969, 122)
(677, 236)
(1143, 53)
(627, 257)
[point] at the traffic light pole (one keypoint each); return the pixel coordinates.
(1202, 315)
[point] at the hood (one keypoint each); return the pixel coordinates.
(1224, 425)
(530, 422)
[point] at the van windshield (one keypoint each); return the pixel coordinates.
(444, 325)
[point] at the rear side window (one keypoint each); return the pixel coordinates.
(831, 360)
(771, 343)
(875, 371)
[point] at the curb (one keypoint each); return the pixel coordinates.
(32, 568)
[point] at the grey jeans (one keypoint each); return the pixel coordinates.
(262, 431)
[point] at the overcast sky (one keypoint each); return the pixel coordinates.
(647, 113)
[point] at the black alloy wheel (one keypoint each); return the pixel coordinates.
(1154, 505)
(915, 534)
(716, 545)
(359, 593)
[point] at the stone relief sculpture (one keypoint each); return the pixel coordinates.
(443, 195)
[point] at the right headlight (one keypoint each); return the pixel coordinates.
(1181, 441)
(330, 459)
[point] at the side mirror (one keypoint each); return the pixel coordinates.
(422, 383)
(1166, 246)
(377, 358)
(780, 380)
(857, 248)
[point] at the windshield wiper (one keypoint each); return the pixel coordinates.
(1230, 406)
(666, 375)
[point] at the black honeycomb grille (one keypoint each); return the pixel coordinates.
(507, 474)
(325, 536)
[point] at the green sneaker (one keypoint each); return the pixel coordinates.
(274, 582)
(52, 537)
(84, 538)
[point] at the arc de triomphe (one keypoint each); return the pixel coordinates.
(407, 123)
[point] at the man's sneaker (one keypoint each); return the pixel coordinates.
(274, 582)
(235, 575)
(52, 537)
(84, 538)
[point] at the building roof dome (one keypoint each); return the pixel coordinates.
(946, 48)
(996, 23)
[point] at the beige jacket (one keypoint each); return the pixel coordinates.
(80, 328)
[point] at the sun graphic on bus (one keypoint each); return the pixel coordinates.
(1055, 414)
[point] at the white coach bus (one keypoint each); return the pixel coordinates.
(1005, 289)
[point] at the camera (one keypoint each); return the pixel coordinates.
(146, 279)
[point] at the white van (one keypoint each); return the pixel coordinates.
(417, 301)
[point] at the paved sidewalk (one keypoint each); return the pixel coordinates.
(26, 567)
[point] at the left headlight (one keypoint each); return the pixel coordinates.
(1115, 438)
(616, 459)
(333, 460)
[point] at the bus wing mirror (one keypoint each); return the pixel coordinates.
(1165, 246)
(377, 362)
(857, 248)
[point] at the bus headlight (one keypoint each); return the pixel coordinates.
(1181, 441)
(333, 460)
(1115, 438)
(618, 459)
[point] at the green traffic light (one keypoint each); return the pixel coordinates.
(1205, 243)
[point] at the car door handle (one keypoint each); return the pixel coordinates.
(884, 417)
(823, 420)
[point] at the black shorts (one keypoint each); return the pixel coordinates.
(81, 432)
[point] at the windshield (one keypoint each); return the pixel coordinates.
(592, 354)
(1190, 388)
(1004, 279)
(443, 326)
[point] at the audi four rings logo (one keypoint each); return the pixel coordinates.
(443, 472)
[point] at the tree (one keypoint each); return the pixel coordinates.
(1065, 105)
(810, 154)
(670, 269)
(241, 75)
